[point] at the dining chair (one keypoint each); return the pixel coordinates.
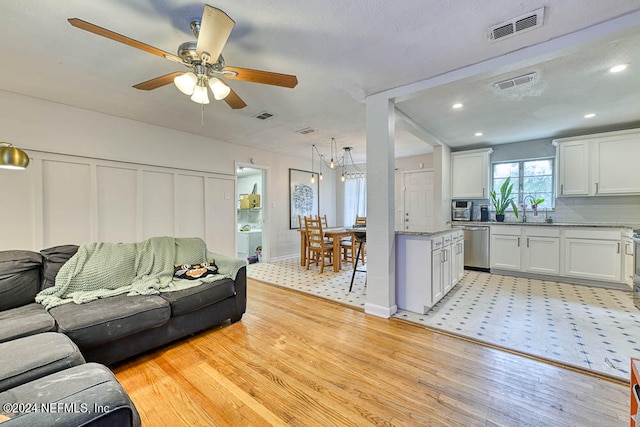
(319, 250)
(303, 240)
(349, 245)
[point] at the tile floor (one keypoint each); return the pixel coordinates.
(588, 327)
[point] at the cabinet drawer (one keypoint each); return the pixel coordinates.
(436, 242)
(582, 233)
(505, 230)
(542, 231)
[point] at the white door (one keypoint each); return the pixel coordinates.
(437, 284)
(418, 200)
(593, 259)
(573, 168)
(505, 252)
(615, 157)
(542, 255)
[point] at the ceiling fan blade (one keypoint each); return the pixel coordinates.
(158, 81)
(234, 101)
(214, 32)
(87, 26)
(264, 77)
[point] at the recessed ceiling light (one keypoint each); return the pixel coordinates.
(478, 133)
(618, 68)
(589, 116)
(457, 106)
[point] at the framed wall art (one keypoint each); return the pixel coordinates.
(304, 195)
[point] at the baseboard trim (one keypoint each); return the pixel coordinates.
(563, 279)
(379, 310)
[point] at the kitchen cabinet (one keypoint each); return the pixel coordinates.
(505, 248)
(470, 174)
(541, 250)
(424, 269)
(573, 168)
(598, 165)
(526, 249)
(593, 254)
(457, 257)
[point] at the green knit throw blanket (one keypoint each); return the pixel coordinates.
(101, 269)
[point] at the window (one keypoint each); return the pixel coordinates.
(530, 178)
(355, 198)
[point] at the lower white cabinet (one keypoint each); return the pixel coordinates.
(593, 254)
(528, 249)
(427, 268)
(590, 253)
(457, 257)
(505, 248)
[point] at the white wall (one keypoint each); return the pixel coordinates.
(34, 124)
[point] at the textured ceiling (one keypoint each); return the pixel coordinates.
(340, 51)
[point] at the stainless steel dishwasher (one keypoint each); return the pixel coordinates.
(476, 246)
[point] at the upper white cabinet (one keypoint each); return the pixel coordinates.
(573, 168)
(598, 165)
(470, 174)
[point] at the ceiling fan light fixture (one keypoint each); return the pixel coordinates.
(186, 83)
(200, 95)
(219, 89)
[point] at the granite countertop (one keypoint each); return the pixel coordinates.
(545, 224)
(423, 233)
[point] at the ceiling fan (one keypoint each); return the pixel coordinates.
(203, 58)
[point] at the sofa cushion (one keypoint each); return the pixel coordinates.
(22, 321)
(35, 356)
(86, 395)
(52, 259)
(191, 299)
(108, 319)
(19, 278)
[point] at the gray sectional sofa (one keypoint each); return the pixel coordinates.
(38, 347)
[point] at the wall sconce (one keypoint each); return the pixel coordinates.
(12, 157)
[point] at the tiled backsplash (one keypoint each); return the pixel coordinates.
(608, 209)
(623, 210)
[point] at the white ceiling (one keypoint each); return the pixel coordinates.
(341, 52)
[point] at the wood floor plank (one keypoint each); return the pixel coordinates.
(296, 359)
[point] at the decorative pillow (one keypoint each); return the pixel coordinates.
(195, 271)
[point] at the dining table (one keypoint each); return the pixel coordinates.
(334, 233)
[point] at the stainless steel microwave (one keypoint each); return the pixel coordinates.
(461, 210)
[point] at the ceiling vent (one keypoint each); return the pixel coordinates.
(305, 131)
(263, 116)
(516, 25)
(516, 81)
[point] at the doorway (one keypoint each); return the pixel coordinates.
(418, 200)
(250, 219)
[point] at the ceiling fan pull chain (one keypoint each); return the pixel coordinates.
(201, 115)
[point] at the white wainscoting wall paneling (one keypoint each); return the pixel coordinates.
(62, 199)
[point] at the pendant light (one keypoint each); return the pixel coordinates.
(12, 157)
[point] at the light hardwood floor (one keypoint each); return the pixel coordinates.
(295, 359)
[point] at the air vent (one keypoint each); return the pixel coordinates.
(263, 116)
(305, 131)
(516, 81)
(516, 25)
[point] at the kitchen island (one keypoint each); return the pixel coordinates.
(428, 265)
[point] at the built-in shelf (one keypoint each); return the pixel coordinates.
(249, 209)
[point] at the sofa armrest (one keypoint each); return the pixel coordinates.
(241, 293)
(227, 265)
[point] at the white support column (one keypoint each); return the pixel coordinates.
(381, 257)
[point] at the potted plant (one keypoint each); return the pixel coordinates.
(502, 201)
